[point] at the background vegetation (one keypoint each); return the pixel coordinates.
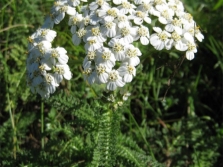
(173, 117)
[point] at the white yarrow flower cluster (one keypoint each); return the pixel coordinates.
(46, 66)
(111, 30)
(108, 29)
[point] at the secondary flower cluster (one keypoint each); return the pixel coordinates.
(46, 66)
(109, 29)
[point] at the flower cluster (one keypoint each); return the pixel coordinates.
(109, 30)
(46, 66)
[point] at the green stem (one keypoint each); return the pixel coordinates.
(42, 124)
(105, 140)
(148, 145)
(13, 126)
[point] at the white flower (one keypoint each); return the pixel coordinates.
(159, 3)
(122, 20)
(176, 6)
(187, 19)
(126, 7)
(105, 57)
(50, 83)
(174, 25)
(198, 34)
(147, 6)
(101, 3)
(46, 86)
(85, 21)
(78, 35)
(92, 44)
(143, 35)
(127, 34)
(159, 39)
(108, 14)
(74, 21)
(89, 58)
(40, 35)
(191, 31)
(178, 41)
(90, 76)
(127, 71)
(44, 66)
(95, 32)
(94, 18)
(118, 48)
(166, 14)
(57, 5)
(40, 48)
(59, 54)
(91, 55)
(43, 34)
(59, 10)
(132, 54)
(191, 49)
(140, 16)
(43, 46)
(61, 71)
(109, 29)
(32, 42)
(102, 73)
(114, 80)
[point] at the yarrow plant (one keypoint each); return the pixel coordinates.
(109, 31)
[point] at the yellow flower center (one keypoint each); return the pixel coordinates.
(130, 69)
(81, 32)
(95, 31)
(162, 36)
(125, 31)
(142, 32)
(131, 53)
(91, 55)
(54, 54)
(106, 55)
(49, 79)
(108, 25)
(92, 42)
(140, 14)
(175, 36)
(113, 76)
(118, 47)
(100, 69)
(112, 12)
